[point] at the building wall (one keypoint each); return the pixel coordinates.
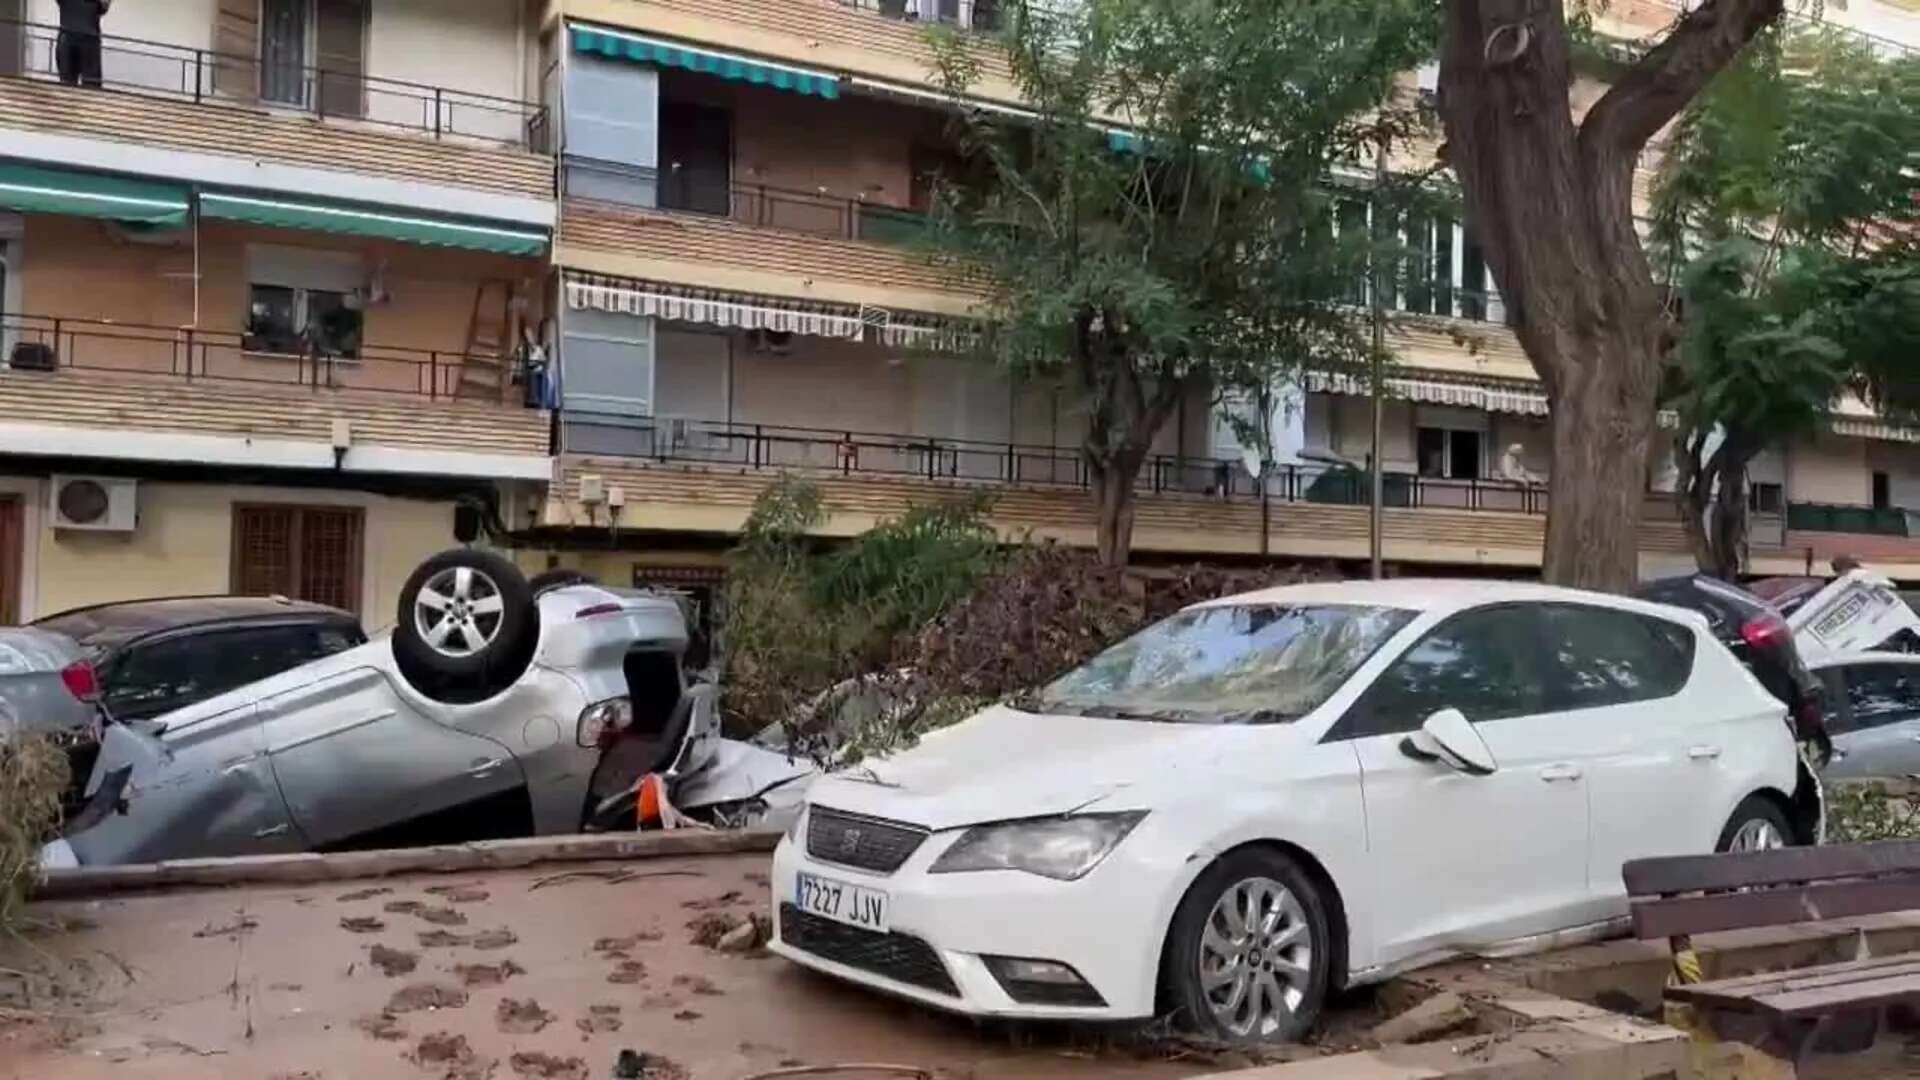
(476, 46)
(80, 269)
(183, 546)
(187, 23)
(1901, 463)
(1829, 469)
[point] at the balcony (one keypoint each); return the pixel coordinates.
(112, 380)
(200, 101)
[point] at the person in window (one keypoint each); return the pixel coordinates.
(78, 52)
(1513, 466)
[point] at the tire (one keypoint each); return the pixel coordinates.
(557, 579)
(1757, 824)
(1226, 1011)
(491, 642)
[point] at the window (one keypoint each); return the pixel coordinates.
(1603, 657)
(305, 552)
(1881, 694)
(301, 299)
(1449, 453)
(696, 158)
(1473, 279)
(312, 54)
(1764, 498)
(178, 671)
(1227, 664)
(284, 27)
(1882, 491)
(1482, 662)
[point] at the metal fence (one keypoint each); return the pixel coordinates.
(729, 444)
(43, 344)
(760, 205)
(182, 73)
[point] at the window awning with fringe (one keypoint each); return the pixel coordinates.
(744, 311)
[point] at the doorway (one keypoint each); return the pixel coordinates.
(13, 519)
(696, 158)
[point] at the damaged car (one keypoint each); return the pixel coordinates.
(1265, 798)
(1858, 611)
(497, 707)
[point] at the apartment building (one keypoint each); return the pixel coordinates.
(261, 292)
(303, 278)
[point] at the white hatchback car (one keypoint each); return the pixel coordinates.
(1267, 796)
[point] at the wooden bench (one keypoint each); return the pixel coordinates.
(1782, 1014)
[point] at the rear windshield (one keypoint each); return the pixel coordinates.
(1232, 664)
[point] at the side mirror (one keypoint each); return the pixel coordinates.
(1448, 737)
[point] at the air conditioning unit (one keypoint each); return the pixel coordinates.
(94, 503)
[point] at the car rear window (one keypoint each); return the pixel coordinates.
(179, 670)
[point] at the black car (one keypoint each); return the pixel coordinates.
(154, 656)
(1759, 636)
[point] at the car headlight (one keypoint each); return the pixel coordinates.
(603, 720)
(1063, 848)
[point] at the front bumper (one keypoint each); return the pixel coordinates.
(1107, 926)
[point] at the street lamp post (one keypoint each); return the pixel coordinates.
(1377, 297)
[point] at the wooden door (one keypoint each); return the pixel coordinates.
(12, 556)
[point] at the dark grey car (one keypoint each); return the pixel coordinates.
(1873, 714)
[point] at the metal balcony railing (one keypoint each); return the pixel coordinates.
(181, 73)
(729, 444)
(37, 345)
(816, 213)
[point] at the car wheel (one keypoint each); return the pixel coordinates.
(1249, 952)
(1758, 824)
(465, 625)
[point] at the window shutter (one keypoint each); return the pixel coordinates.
(263, 550)
(340, 53)
(236, 43)
(330, 557)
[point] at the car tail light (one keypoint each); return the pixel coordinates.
(80, 680)
(1766, 632)
(602, 722)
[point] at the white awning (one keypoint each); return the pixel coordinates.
(713, 309)
(1487, 397)
(1872, 427)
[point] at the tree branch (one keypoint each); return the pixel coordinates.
(1654, 90)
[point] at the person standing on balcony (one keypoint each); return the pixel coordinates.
(78, 53)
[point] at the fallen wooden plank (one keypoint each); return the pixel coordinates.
(1802, 978)
(343, 866)
(1820, 1001)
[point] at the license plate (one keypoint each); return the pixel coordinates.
(841, 902)
(1836, 620)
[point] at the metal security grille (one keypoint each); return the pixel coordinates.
(304, 552)
(900, 957)
(867, 843)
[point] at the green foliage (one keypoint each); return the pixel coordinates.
(33, 774)
(802, 617)
(1859, 813)
(1163, 225)
(1785, 217)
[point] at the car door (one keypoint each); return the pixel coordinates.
(1462, 860)
(1881, 736)
(360, 768)
(1612, 682)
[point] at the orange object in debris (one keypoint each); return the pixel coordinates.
(647, 806)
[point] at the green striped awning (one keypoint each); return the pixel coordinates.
(645, 50)
(360, 220)
(36, 190)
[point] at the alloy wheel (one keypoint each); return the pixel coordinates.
(1256, 957)
(458, 612)
(1757, 834)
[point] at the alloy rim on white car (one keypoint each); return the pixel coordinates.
(1256, 956)
(1757, 834)
(459, 611)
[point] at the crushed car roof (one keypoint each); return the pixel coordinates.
(111, 624)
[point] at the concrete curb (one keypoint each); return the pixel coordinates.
(90, 881)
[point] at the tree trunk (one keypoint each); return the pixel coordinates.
(1550, 201)
(1728, 526)
(1113, 508)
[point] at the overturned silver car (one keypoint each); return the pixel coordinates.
(497, 707)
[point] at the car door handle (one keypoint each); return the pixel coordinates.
(1556, 773)
(484, 769)
(1703, 753)
(271, 830)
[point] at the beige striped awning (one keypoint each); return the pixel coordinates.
(746, 311)
(1486, 395)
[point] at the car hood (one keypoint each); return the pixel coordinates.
(1005, 764)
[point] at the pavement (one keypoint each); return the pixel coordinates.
(550, 972)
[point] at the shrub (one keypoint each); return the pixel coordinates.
(33, 774)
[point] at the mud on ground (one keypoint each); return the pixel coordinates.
(588, 964)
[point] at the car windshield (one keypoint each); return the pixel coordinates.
(1229, 664)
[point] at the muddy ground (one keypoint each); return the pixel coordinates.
(541, 973)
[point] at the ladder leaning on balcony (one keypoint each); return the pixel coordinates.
(485, 365)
